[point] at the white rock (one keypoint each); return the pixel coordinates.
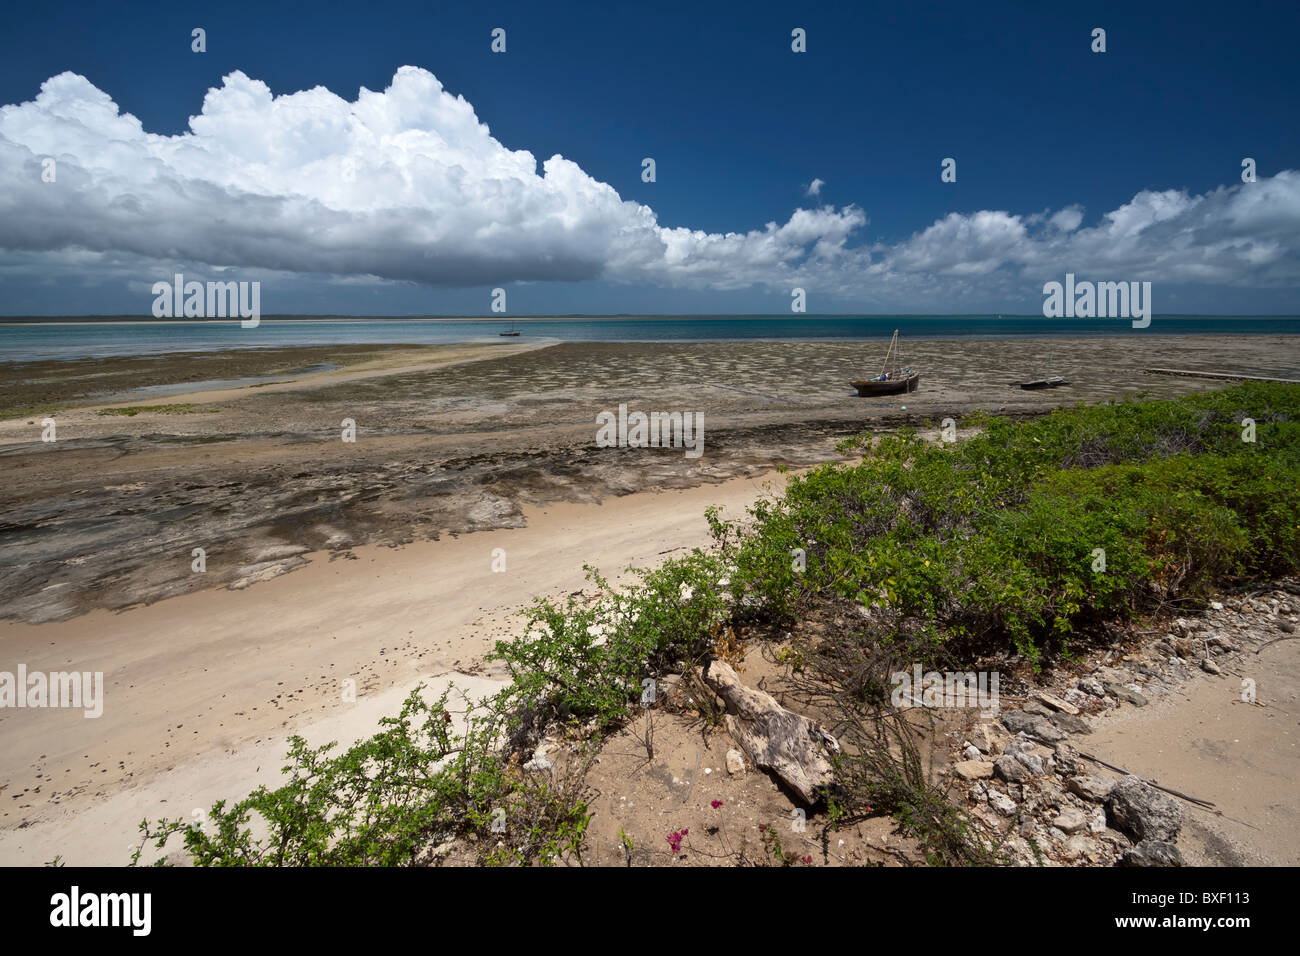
(1070, 820)
(735, 762)
(1000, 802)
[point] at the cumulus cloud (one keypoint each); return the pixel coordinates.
(1068, 219)
(815, 187)
(409, 184)
(405, 184)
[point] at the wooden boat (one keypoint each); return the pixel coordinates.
(889, 385)
(1054, 382)
(511, 332)
(895, 381)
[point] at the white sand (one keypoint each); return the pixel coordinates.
(189, 682)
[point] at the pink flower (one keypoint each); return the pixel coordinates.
(715, 804)
(808, 860)
(675, 840)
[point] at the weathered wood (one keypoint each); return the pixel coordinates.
(792, 746)
(1227, 376)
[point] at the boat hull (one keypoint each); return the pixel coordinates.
(1043, 383)
(892, 387)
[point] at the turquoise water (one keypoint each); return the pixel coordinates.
(73, 339)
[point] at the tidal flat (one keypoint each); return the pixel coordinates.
(458, 438)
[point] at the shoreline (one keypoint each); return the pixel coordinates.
(187, 720)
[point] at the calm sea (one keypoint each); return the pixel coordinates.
(79, 339)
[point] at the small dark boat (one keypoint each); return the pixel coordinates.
(511, 332)
(1054, 382)
(907, 381)
(894, 381)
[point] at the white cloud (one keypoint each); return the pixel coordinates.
(814, 188)
(409, 184)
(403, 184)
(1068, 219)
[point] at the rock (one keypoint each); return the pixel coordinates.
(540, 761)
(1080, 845)
(1089, 787)
(1071, 724)
(1097, 822)
(1182, 627)
(1113, 675)
(1216, 606)
(986, 817)
(1032, 761)
(1210, 667)
(974, 769)
(794, 747)
(277, 553)
(1123, 693)
(1218, 640)
(1116, 839)
(971, 752)
(735, 762)
(1000, 802)
(1286, 626)
(1152, 853)
(1033, 707)
(1017, 721)
(1070, 820)
(1056, 703)
(1065, 759)
(987, 738)
(1020, 742)
(1008, 768)
(1090, 685)
(1143, 812)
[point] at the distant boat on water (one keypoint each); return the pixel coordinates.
(511, 332)
(890, 381)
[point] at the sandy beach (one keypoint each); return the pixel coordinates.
(372, 561)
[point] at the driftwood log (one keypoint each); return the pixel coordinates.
(792, 746)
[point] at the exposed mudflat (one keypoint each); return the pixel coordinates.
(454, 439)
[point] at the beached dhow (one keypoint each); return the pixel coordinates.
(511, 332)
(1054, 382)
(892, 380)
(1047, 381)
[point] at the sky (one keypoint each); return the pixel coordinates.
(383, 159)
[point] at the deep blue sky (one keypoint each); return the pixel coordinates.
(736, 123)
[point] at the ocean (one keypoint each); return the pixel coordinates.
(78, 338)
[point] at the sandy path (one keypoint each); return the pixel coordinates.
(400, 363)
(201, 690)
(1245, 759)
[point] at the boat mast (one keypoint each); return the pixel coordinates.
(890, 351)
